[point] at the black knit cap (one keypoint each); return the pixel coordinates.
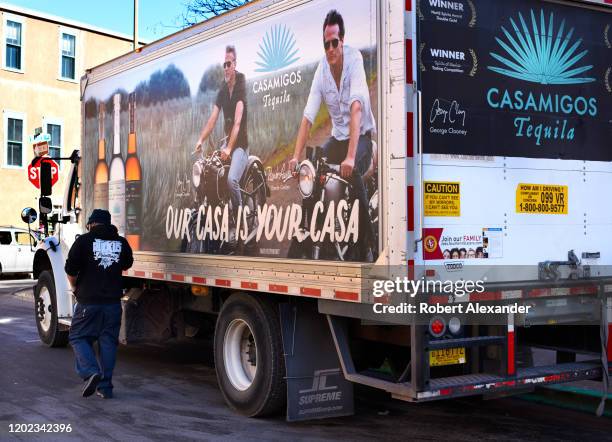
(99, 216)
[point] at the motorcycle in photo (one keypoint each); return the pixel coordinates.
(320, 181)
(210, 189)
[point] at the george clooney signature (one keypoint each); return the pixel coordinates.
(450, 114)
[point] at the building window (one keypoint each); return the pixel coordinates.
(13, 51)
(14, 142)
(55, 145)
(68, 54)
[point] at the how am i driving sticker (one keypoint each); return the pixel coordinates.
(545, 199)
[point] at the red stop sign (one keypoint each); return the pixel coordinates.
(34, 172)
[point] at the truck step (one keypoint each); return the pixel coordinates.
(478, 341)
(402, 391)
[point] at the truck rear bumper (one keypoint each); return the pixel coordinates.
(456, 386)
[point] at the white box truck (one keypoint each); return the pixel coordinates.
(286, 170)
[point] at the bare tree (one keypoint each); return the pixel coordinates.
(198, 10)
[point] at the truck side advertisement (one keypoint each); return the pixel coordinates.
(193, 152)
(516, 79)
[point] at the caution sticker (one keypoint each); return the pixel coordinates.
(547, 199)
(442, 198)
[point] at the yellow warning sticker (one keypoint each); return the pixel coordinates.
(547, 199)
(441, 198)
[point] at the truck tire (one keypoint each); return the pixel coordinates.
(249, 358)
(45, 312)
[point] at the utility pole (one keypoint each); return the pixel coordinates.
(135, 44)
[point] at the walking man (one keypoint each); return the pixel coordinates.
(94, 267)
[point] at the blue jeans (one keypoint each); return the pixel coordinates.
(240, 161)
(335, 151)
(90, 323)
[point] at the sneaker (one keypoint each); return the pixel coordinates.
(90, 384)
(104, 394)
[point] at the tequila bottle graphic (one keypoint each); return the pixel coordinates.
(101, 174)
(116, 185)
(133, 183)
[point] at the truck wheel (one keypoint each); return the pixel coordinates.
(45, 311)
(249, 356)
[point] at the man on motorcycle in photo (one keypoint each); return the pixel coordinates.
(340, 82)
(231, 99)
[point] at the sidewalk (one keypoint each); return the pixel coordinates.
(580, 396)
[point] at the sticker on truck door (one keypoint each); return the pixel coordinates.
(515, 78)
(462, 243)
(545, 199)
(441, 198)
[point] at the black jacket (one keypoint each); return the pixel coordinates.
(97, 259)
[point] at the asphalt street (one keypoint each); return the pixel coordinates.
(169, 392)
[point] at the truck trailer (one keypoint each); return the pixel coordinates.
(469, 231)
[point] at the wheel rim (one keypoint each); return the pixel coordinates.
(43, 309)
(240, 354)
(253, 195)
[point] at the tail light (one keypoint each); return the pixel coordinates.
(437, 326)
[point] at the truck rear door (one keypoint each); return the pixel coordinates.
(516, 122)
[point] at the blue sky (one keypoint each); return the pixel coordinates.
(157, 18)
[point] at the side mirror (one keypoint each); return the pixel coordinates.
(29, 215)
(45, 179)
(45, 205)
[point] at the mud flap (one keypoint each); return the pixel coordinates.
(148, 316)
(316, 387)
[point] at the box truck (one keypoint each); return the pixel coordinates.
(408, 195)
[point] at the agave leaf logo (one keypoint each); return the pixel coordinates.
(277, 50)
(541, 54)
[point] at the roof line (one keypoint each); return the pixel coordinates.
(65, 21)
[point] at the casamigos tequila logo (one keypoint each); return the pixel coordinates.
(539, 53)
(277, 50)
